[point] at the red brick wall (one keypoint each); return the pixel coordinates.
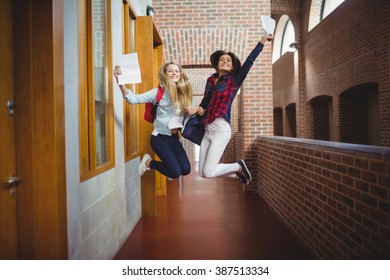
(192, 30)
(290, 129)
(382, 43)
(353, 118)
(278, 122)
(334, 197)
(320, 111)
(285, 86)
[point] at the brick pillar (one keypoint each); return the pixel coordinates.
(304, 114)
(384, 73)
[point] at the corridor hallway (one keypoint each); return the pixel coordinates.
(210, 219)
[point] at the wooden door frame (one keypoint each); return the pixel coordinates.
(150, 53)
(40, 128)
(144, 47)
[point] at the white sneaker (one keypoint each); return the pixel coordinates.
(142, 165)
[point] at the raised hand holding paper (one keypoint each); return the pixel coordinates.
(268, 24)
(131, 73)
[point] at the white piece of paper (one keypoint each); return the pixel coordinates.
(268, 24)
(131, 73)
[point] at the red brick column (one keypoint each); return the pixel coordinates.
(384, 73)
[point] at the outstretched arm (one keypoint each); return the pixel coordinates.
(118, 71)
(149, 96)
(242, 73)
(266, 38)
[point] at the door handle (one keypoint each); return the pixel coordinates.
(12, 182)
(11, 107)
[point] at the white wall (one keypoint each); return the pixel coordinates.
(103, 210)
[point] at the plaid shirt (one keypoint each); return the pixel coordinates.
(222, 93)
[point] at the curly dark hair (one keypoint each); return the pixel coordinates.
(214, 59)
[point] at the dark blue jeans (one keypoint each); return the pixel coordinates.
(174, 161)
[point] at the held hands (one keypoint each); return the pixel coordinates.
(201, 111)
(195, 110)
(191, 110)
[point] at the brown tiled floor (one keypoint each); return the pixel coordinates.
(210, 219)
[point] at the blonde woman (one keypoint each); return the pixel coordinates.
(175, 102)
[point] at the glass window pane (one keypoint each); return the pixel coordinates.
(288, 37)
(130, 111)
(133, 119)
(99, 27)
(329, 6)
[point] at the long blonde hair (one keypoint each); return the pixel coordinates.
(180, 92)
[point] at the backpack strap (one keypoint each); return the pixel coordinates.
(160, 93)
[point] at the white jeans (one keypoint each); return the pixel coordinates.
(216, 138)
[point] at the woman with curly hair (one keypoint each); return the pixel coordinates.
(221, 89)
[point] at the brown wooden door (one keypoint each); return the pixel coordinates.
(8, 193)
(33, 214)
